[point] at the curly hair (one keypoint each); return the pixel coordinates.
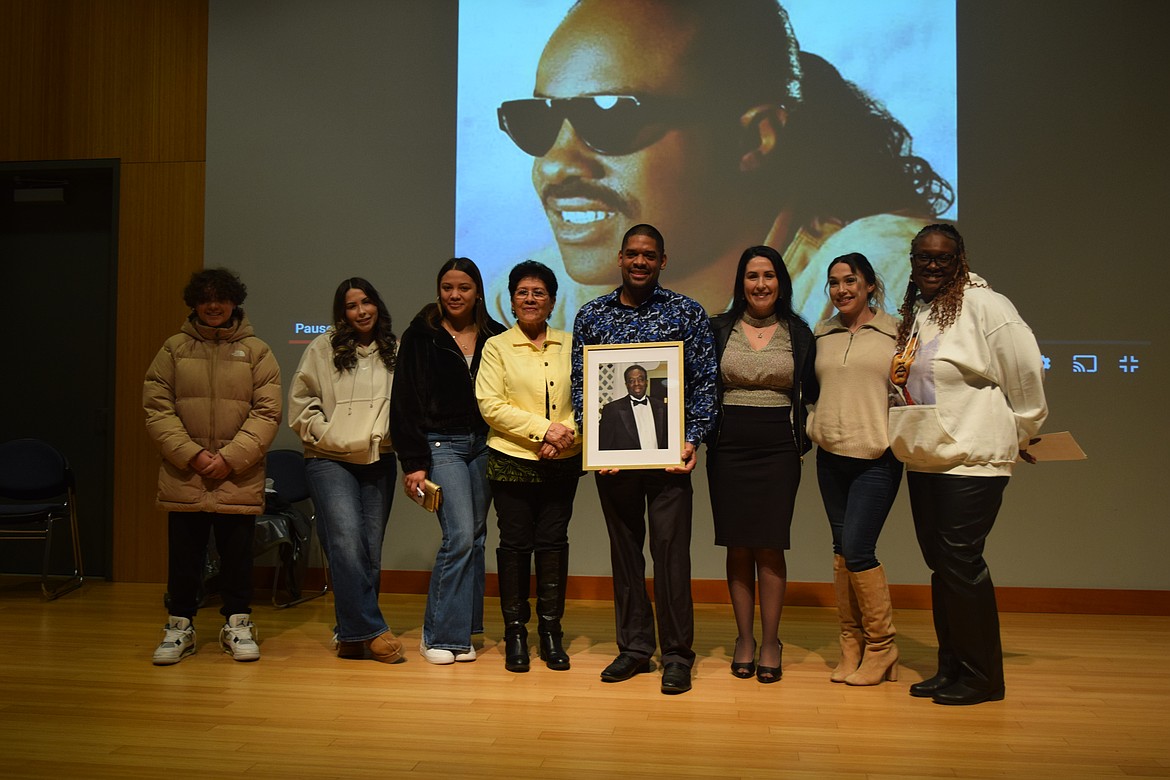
(214, 284)
(947, 304)
(345, 338)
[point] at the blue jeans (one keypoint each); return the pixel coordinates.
(857, 494)
(455, 600)
(353, 505)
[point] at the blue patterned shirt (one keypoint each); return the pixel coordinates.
(664, 316)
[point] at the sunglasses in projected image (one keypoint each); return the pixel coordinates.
(607, 124)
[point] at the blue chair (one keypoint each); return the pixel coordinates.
(283, 519)
(37, 493)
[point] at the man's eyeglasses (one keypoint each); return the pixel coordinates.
(942, 261)
(607, 124)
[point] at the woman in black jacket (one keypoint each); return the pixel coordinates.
(766, 354)
(439, 434)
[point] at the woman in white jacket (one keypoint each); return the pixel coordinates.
(967, 396)
(339, 404)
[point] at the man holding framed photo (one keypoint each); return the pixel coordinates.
(639, 312)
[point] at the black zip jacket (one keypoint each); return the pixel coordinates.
(433, 390)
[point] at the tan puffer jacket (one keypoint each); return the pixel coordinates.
(214, 389)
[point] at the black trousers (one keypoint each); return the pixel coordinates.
(188, 533)
(534, 515)
(952, 517)
(629, 499)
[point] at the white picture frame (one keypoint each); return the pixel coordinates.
(610, 430)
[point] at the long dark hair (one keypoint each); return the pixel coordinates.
(432, 313)
(345, 338)
(839, 124)
(783, 308)
(840, 155)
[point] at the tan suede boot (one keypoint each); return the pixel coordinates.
(849, 615)
(880, 661)
(385, 647)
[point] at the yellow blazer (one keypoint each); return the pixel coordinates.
(513, 378)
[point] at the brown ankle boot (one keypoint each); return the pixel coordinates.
(385, 648)
(880, 661)
(849, 616)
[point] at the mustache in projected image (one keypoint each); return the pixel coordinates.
(575, 202)
(568, 135)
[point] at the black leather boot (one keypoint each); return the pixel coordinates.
(948, 666)
(552, 571)
(513, 570)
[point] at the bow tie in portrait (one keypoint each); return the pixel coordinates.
(636, 402)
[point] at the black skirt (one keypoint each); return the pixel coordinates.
(753, 471)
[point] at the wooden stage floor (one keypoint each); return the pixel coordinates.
(1088, 696)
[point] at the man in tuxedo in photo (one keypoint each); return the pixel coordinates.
(634, 421)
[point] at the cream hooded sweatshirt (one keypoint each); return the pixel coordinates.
(341, 415)
(975, 393)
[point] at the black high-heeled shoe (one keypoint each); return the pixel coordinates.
(771, 674)
(741, 669)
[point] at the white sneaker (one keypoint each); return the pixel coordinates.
(436, 655)
(178, 642)
(467, 657)
(237, 640)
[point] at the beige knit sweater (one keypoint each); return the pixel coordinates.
(853, 370)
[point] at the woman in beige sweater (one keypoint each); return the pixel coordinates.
(858, 475)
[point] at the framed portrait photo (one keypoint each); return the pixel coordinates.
(633, 405)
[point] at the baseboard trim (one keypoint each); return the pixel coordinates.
(1086, 601)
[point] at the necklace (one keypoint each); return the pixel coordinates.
(465, 341)
(761, 325)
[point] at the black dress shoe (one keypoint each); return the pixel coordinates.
(624, 667)
(676, 678)
(962, 694)
(932, 685)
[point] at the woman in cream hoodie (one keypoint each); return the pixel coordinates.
(967, 396)
(339, 404)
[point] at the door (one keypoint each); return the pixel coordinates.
(58, 253)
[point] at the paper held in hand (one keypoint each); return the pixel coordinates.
(1055, 446)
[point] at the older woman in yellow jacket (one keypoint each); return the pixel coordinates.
(212, 401)
(533, 464)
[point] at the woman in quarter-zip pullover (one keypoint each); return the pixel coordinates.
(440, 435)
(766, 354)
(857, 473)
(339, 406)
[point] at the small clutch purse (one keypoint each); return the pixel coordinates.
(431, 498)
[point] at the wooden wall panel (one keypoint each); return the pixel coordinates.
(161, 239)
(182, 68)
(89, 79)
(126, 79)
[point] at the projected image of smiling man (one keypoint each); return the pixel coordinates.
(641, 96)
(691, 115)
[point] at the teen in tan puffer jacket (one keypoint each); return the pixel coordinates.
(212, 398)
